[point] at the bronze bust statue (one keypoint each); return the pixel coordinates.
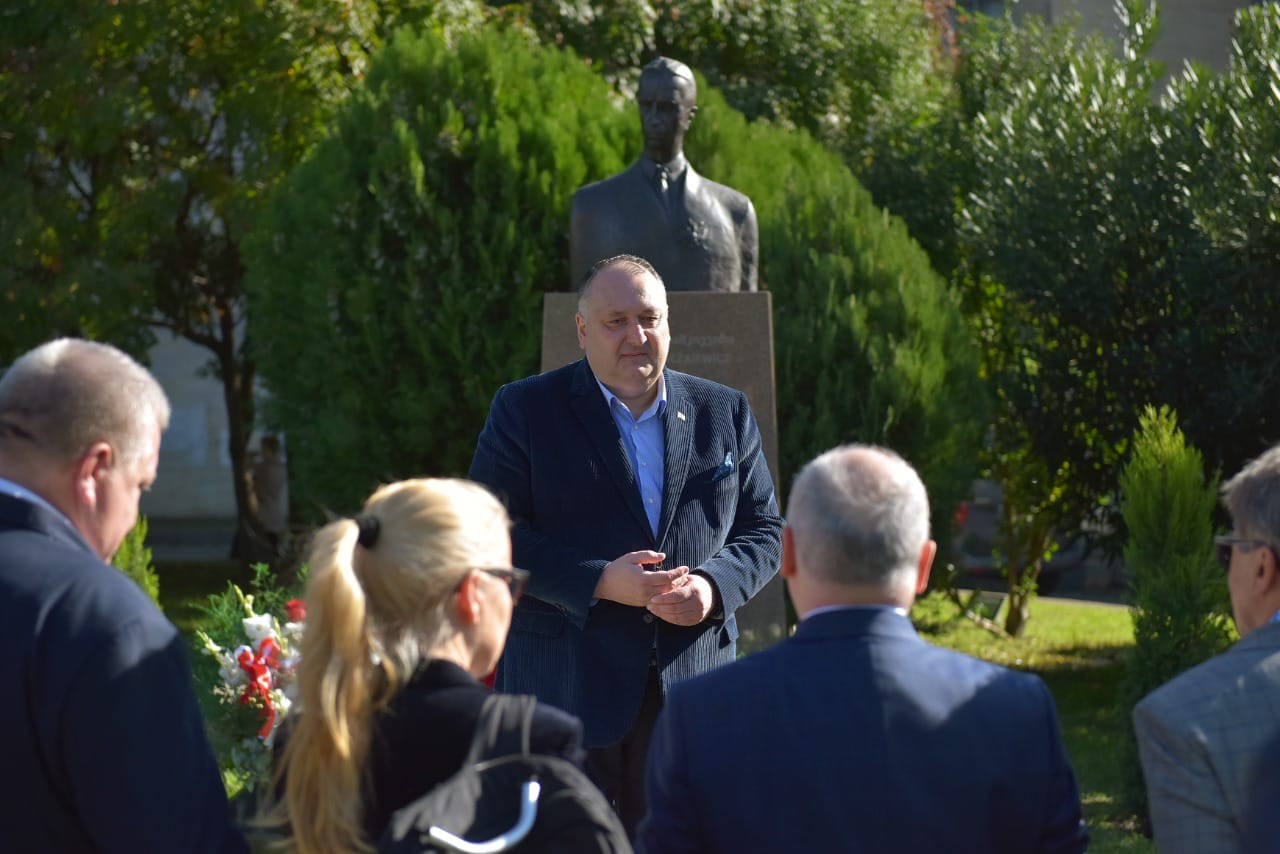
(699, 235)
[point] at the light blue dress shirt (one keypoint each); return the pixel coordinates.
(646, 447)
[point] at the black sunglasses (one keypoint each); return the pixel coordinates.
(516, 579)
(1224, 544)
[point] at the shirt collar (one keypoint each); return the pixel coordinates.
(827, 609)
(659, 404)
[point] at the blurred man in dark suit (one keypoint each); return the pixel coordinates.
(101, 740)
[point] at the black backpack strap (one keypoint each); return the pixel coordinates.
(503, 727)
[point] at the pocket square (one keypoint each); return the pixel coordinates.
(725, 468)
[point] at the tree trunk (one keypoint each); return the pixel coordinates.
(1025, 543)
(237, 373)
(1017, 611)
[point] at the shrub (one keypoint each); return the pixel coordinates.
(134, 559)
(1179, 596)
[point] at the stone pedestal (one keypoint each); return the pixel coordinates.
(725, 337)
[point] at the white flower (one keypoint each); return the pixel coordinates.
(259, 628)
(228, 665)
(232, 674)
(293, 632)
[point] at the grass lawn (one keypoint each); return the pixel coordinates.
(1077, 648)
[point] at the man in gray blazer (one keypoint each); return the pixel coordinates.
(1199, 734)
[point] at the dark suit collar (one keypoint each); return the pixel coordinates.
(677, 427)
(589, 406)
(881, 622)
(678, 419)
(20, 513)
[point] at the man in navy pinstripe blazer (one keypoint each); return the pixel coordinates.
(644, 510)
(1200, 735)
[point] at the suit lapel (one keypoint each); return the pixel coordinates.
(589, 407)
(677, 427)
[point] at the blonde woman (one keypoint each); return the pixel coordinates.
(408, 605)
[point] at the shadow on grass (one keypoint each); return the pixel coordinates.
(1094, 726)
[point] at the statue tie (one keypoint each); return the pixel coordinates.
(667, 194)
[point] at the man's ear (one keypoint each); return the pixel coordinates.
(788, 568)
(927, 555)
(1267, 575)
(581, 323)
(96, 461)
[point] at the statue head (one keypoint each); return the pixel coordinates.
(668, 100)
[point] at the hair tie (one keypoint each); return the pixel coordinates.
(369, 527)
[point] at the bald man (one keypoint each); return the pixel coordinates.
(644, 511)
(855, 734)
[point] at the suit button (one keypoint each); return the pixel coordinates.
(648, 618)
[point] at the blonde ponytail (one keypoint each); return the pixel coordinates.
(327, 747)
(374, 613)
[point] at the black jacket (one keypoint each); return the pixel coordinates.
(422, 738)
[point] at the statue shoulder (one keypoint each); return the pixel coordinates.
(732, 199)
(605, 187)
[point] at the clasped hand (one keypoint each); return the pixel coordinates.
(674, 595)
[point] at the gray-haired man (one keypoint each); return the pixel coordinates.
(855, 734)
(101, 740)
(1200, 734)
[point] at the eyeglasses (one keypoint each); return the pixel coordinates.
(516, 579)
(1224, 545)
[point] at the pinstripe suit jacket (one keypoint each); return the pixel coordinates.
(551, 450)
(1198, 736)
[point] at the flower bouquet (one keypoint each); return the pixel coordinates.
(252, 640)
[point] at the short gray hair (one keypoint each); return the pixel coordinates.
(68, 393)
(1252, 497)
(860, 516)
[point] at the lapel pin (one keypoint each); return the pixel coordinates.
(680, 415)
